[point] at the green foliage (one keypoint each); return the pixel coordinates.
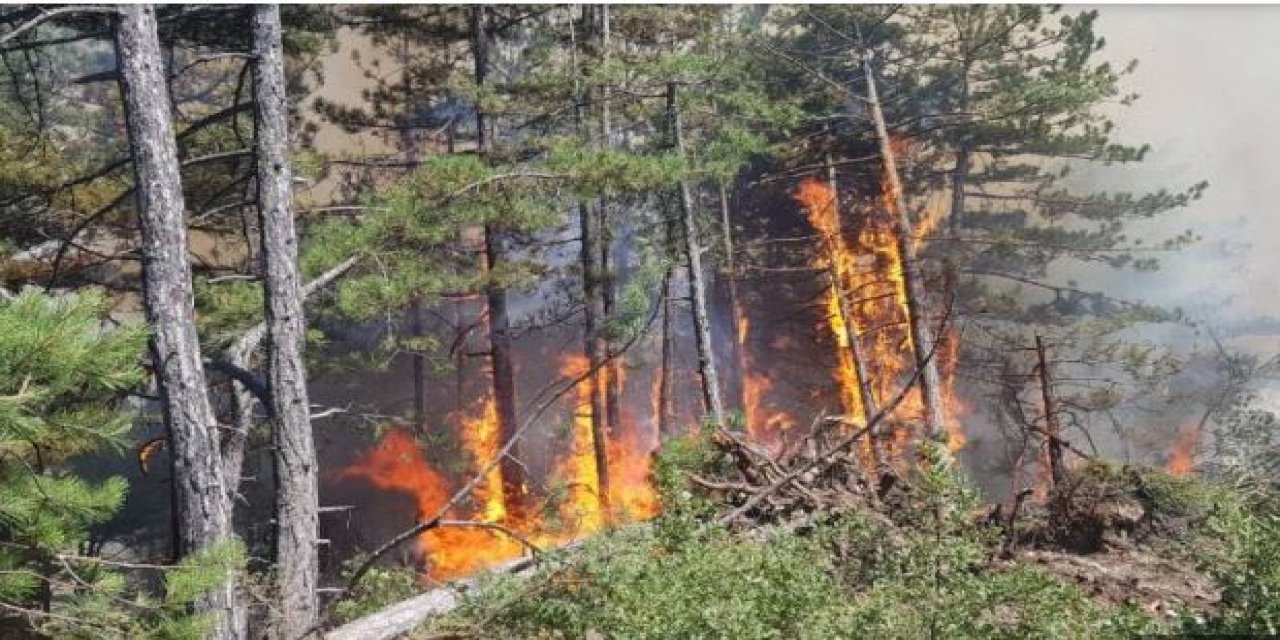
(63, 376)
(379, 588)
(921, 574)
(1242, 552)
(108, 605)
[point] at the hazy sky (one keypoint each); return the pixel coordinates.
(1209, 77)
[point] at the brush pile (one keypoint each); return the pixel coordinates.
(832, 469)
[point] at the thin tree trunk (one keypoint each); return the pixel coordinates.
(595, 347)
(1052, 432)
(917, 311)
(735, 302)
(608, 280)
(501, 361)
(697, 281)
(297, 502)
(202, 516)
(504, 381)
(665, 400)
(839, 280)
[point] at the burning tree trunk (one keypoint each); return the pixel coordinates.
(697, 282)
(664, 373)
(500, 348)
(297, 503)
(595, 348)
(917, 311)
(1052, 437)
(202, 517)
(504, 377)
(849, 320)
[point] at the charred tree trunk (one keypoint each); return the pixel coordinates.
(697, 281)
(203, 519)
(501, 361)
(917, 310)
(297, 503)
(1052, 432)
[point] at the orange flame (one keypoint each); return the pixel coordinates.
(1182, 452)
(872, 275)
(583, 508)
(480, 437)
(398, 464)
(820, 203)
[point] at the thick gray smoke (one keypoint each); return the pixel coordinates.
(1209, 87)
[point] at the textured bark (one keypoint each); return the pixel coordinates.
(917, 310)
(297, 505)
(697, 280)
(202, 517)
(500, 347)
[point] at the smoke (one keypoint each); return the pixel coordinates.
(1209, 90)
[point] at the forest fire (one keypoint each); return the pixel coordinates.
(763, 426)
(480, 437)
(866, 301)
(398, 463)
(1181, 454)
(582, 508)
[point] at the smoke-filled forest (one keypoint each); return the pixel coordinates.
(637, 321)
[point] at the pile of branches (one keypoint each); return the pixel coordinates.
(832, 469)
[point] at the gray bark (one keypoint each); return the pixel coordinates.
(917, 311)
(202, 517)
(297, 505)
(697, 280)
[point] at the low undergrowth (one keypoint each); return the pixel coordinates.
(929, 568)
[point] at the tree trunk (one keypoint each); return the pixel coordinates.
(297, 503)
(1052, 433)
(203, 519)
(839, 281)
(665, 400)
(593, 311)
(608, 280)
(917, 310)
(697, 281)
(735, 302)
(500, 349)
(504, 381)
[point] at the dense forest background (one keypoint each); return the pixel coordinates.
(892, 313)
